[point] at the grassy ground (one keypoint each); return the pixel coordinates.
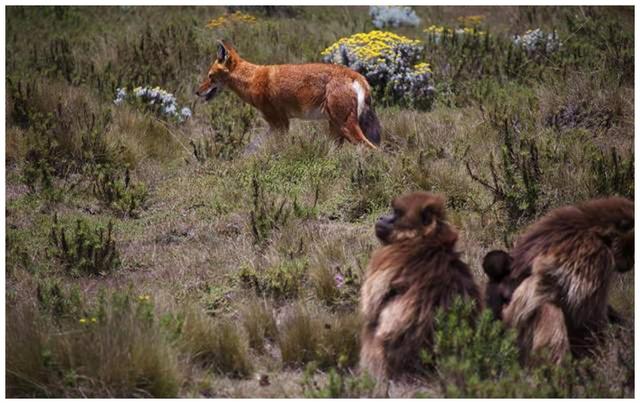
(218, 276)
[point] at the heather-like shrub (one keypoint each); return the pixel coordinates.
(392, 65)
(439, 33)
(154, 99)
(538, 41)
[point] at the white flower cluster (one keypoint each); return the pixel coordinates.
(414, 86)
(163, 101)
(538, 41)
(393, 16)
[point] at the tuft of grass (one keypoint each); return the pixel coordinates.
(259, 323)
(310, 336)
(216, 345)
(117, 350)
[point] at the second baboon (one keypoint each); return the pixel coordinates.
(558, 283)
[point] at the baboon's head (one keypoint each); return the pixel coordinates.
(418, 217)
(612, 219)
(222, 66)
(497, 265)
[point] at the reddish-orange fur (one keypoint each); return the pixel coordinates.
(305, 91)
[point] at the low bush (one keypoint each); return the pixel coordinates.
(84, 249)
(391, 64)
(268, 212)
(283, 280)
(337, 385)
(119, 193)
(481, 359)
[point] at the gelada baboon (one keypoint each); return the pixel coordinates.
(557, 283)
(414, 273)
(497, 265)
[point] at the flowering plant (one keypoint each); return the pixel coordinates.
(538, 42)
(471, 21)
(228, 19)
(390, 63)
(439, 33)
(393, 16)
(156, 99)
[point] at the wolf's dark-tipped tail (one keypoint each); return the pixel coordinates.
(369, 123)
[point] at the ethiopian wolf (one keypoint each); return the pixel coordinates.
(303, 91)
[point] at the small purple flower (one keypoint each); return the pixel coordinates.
(339, 280)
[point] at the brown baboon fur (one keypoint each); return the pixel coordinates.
(561, 272)
(415, 273)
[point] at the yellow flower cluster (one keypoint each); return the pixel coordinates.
(422, 68)
(372, 45)
(436, 29)
(440, 30)
(88, 320)
(471, 20)
(227, 19)
(144, 298)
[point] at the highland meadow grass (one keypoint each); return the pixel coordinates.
(235, 267)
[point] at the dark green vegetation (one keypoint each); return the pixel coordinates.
(169, 262)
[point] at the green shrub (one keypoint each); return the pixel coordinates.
(466, 355)
(66, 134)
(268, 213)
(612, 175)
(38, 176)
(461, 61)
(230, 120)
(479, 359)
(337, 385)
(119, 194)
(83, 249)
(370, 188)
(56, 302)
(282, 280)
(516, 180)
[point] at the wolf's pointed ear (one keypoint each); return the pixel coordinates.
(223, 53)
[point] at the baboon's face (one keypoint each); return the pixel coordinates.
(217, 73)
(412, 216)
